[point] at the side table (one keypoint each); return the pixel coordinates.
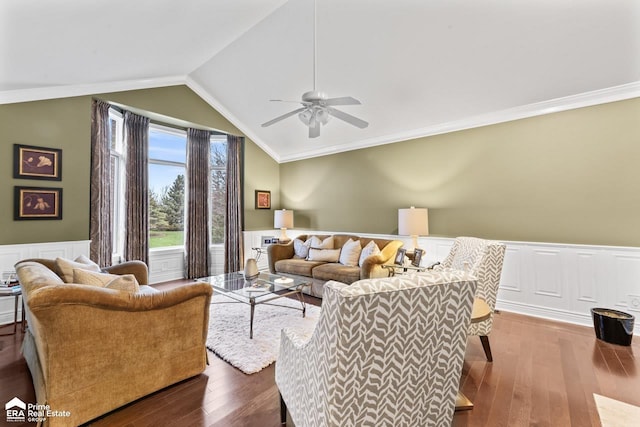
(392, 269)
(16, 292)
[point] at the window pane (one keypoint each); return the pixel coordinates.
(218, 188)
(114, 133)
(167, 146)
(166, 205)
(115, 202)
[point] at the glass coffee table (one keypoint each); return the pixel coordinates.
(262, 289)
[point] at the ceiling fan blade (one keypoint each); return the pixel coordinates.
(295, 102)
(314, 130)
(282, 117)
(347, 118)
(345, 100)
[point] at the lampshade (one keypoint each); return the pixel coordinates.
(283, 219)
(413, 222)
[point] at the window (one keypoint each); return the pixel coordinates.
(167, 172)
(167, 190)
(218, 187)
(117, 181)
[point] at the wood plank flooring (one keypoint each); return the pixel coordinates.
(544, 374)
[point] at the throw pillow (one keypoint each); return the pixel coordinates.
(126, 282)
(370, 249)
(91, 278)
(350, 253)
(326, 255)
(65, 267)
(300, 248)
(322, 244)
(84, 260)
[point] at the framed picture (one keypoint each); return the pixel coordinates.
(417, 257)
(263, 199)
(399, 260)
(37, 203)
(37, 162)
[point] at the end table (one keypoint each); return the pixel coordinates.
(14, 291)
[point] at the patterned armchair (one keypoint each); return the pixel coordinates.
(385, 352)
(483, 259)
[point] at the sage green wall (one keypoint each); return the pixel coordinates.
(261, 172)
(61, 123)
(568, 177)
(66, 123)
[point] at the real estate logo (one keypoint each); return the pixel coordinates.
(19, 412)
(15, 409)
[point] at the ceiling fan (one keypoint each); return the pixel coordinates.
(317, 107)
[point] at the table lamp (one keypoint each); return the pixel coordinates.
(413, 222)
(283, 219)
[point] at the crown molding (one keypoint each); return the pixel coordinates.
(217, 105)
(68, 91)
(586, 99)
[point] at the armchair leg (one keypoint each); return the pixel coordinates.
(487, 348)
(283, 411)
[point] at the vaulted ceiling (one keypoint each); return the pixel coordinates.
(419, 67)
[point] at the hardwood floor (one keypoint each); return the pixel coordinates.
(544, 374)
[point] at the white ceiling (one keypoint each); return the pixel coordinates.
(420, 67)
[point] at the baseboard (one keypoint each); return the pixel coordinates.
(552, 314)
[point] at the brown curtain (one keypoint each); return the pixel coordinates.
(136, 243)
(197, 231)
(233, 245)
(100, 228)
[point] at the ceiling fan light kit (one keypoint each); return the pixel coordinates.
(317, 106)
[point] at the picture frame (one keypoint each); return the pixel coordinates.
(263, 199)
(32, 203)
(399, 259)
(30, 162)
(417, 257)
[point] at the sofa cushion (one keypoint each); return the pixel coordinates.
(299, 267)
(300, 248)
(338, 272)
(326, 255)
(350, 253)
(322, 244)
(65, 267)
(370, 249)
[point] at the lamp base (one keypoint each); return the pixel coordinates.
(283, 236)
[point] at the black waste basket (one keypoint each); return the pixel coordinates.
(613, 326)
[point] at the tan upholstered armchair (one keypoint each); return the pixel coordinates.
(484, 260)
(92, 349)
(385, 352)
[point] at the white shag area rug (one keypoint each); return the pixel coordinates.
(229, 330)
(614, 413)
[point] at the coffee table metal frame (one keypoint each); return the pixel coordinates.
(258, 290)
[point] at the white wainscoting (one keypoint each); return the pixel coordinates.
(554, 281)
(549, 280)
(11, 254)
(168, 263)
